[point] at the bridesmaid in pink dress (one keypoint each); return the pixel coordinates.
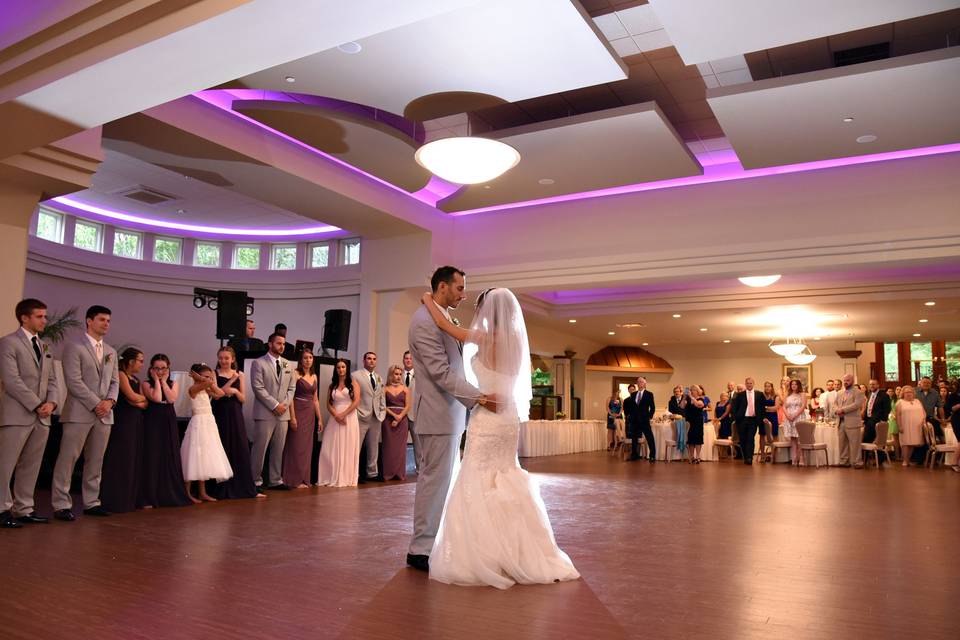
(395, 426)
(306, 410)
(340, 452)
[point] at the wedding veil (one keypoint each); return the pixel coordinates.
(499, 340)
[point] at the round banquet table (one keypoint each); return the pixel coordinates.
(826, 432)
(664, 431)
(559, 437)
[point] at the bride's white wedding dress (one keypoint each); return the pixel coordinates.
(495, 530)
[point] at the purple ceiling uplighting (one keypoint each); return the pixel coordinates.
(167, 225)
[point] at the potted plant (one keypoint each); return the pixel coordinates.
(58, 324)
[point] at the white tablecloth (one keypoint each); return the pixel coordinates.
(663, 431)
(951, 438)
(558, 437)
(823, 432)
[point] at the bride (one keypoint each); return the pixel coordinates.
(495, 530)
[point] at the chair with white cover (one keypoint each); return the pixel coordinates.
(935, 451)
(808, 442)
(879, 444)
(671, 445)
(778, 445)
(727, 444)
(619, 438)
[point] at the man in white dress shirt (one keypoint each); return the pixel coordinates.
(828, 401)
(410, 382)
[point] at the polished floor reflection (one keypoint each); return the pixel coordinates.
(719, 550)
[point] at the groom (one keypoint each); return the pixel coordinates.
(440, 401)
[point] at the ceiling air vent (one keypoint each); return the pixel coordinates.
(869, 53)
(146, 195)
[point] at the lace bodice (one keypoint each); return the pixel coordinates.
(200, 404)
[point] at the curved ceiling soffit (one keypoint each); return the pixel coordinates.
(627, 360)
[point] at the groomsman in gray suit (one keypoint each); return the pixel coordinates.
(29, 398)
(410, 381)
(273, 383)
(370, 411)
(441, 402)
(850, 402)
(90, 373)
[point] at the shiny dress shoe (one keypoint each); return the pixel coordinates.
(32, 518)
(7, 521)
(420, 563)
(64, 514)
(98, 511)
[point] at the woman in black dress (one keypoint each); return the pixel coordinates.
(161, 479)
(121, 463)
(692, 405)
(228, 412)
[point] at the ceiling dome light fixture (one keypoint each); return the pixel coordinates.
(758, 281)
(350, 47)
(467, 160)
(804, 357)
(867, 139)
(787, 347)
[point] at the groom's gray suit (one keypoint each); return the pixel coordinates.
(270, 391)
(441, 400)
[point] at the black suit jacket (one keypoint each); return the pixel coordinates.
(638, 415)
(740, 406)
(881, 409)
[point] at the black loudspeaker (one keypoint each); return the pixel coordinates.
(336, 329)
(231, 314)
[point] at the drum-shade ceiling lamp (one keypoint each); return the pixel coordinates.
(758, 281)
(787, 347)
(467, 160)
(804, 357)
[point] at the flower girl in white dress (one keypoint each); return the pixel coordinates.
(202, 453)
(495, 530)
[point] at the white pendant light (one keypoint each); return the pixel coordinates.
(804, 357)
(787, 347)
(758, 281)
(467, 160)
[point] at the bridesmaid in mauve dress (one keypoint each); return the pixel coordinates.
(395, 426)
(228, 412)
(298, 448)
(161, 477)
(121, 463)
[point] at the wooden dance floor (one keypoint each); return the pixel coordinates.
(666, 551)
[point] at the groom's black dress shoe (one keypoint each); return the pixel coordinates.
(7, 521)
(64, 514)
(420, 563)
(98, 511)
(33, 518)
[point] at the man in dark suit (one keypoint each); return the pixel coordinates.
(249, 343)
(747, 413)
(877, 411)
(639, 409)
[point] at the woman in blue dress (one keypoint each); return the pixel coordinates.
(770, 427)
(614, 413)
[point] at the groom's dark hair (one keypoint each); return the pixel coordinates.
(444, 274)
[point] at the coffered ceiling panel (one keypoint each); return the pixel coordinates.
(900, 103)
(581, 153)
(704, 30)
(503, 48)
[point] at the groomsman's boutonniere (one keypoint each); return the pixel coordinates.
(286, 365)
(107, 358)
(45, 347)
(456, 322)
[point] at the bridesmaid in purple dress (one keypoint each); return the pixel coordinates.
(303, 419)
(395, 425)
(161, 473)
(120, 480)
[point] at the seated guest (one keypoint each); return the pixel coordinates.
(93, 386)
(304, 414)
(161, 470)
(340, 452)
(228, 412)
(28, 400)
(398, 401)
(723, 417)
(911, 416)
(121, 473)
(877, 411)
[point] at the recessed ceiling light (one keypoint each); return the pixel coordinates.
(350, 47)
(486, 186)
(726, 342)
(930, 303)
(546, 181)
(611, 333)
(631, 325)
(924, 320)
(645, 344)
(181, 211)
(572, 321)
(289, 79)
(817, 338)
(867, 138)
(758, 281)
(703, 328)
(676, 315)
(916, 335)
(848, 119)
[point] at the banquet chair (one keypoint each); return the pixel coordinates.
(879, 444)
(935, 450)
(619, 439)
(777, 446)
(726, 444)
(808, 442)
(671, 445)
(627, 447)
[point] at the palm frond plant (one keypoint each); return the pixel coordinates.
(58, 324)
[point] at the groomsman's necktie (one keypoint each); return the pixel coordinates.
(278, 368)
(407, 383)
(36, 349)
(99, 355)
(373, 381)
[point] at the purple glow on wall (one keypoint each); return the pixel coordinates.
(168, 225)
(725, 172)
(436, 190)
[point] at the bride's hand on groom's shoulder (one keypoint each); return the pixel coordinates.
(426, 298)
